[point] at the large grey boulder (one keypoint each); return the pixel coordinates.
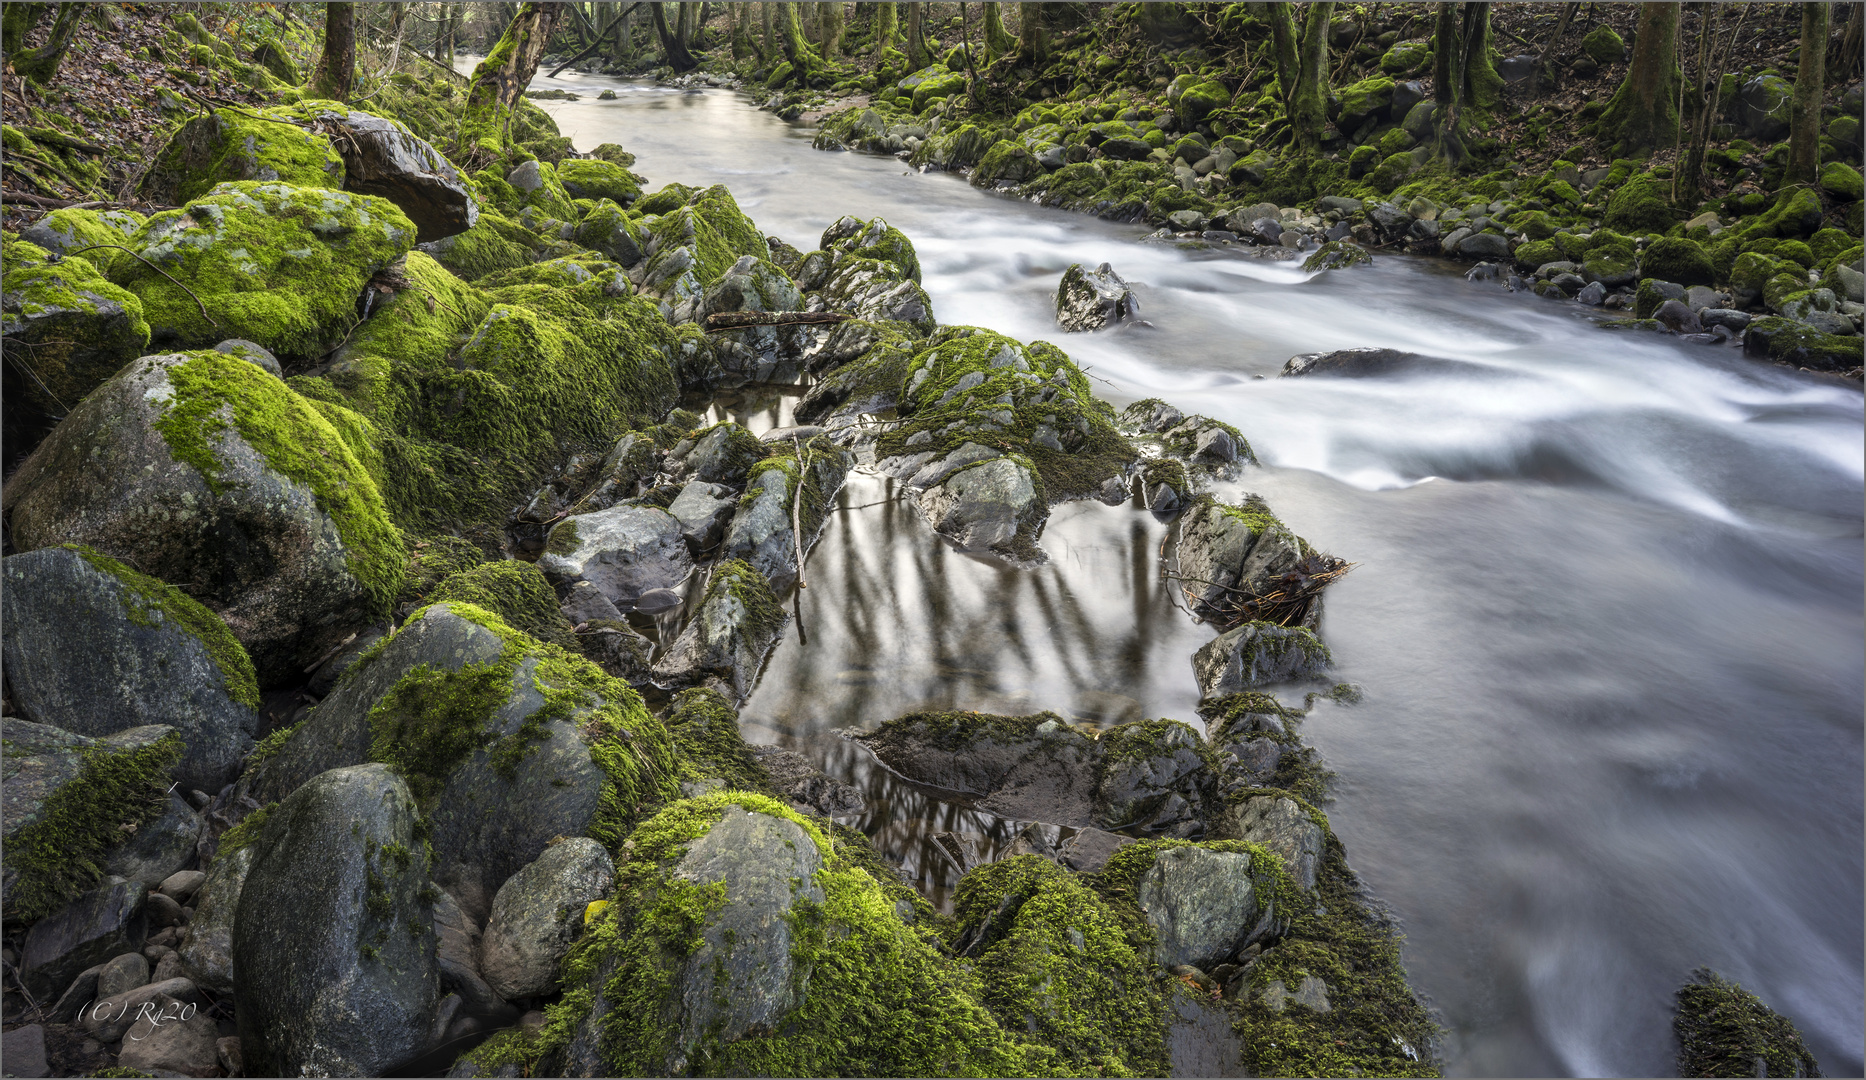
(264, 555)
(624, 551)
(1203, 906)
(993, 506)
(94, 648)
(1255, 655)
(206, 949)
(333, 945)
(160, 846)
(78, 328)
(761, 532)
(529, 778)
(722, 454)
(756, 353)
(1762, 107)
(1279, 824)
(536, 914)
(1093, 299)
(103, 923)
(382, 157)
(875, 290)
(1154, 779)
(725, 642)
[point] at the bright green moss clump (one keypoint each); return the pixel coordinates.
(516, 592)
(69, 328)
(1724, 1030)
(231, 144)
(276, 264)
(62, 854)
(151, 603)
(706, 731)
(214, 389)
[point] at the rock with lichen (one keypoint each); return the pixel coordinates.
(96, 648)
(202, 469)
(1093, 299)
(725, 643)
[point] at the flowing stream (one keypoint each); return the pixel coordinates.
(1607, 612)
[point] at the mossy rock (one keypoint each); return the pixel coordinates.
(1800, 345)
(67, 797)
(1199, 101)
(1364, 100)
(1841, 181)
(1639, 206)
(873, 239)
(598, 179)
(1008, 162)
(70, 230)
(246, 456)
(1362, 161)
(1406, 57)
(494, 243)
(69, 329)
(1535, 224)
(1604, 46)
(230, 144)
(1678, 260)
(279, 265)
(1536, 253)
(516, 592)
(1724, 1030)
(1797, 212)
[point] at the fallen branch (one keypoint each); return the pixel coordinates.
(796, 509)
(440, 65)
(157, 269)
(54, 138)
(67, 204)
(735, 320)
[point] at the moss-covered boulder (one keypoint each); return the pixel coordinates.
(64, 798)
(505, 741)
(1639, 206)
(202, 468)
(96, 648)
(271, 263)
(68, 231)
(725, 643)
(1198, 101)
(1797, 212)
(1724, 1030)
(1233, 557)
(1603, 46)
(758, 353)
(1405, 57)
(873, 239)
(1363, 101)
(232, 144)
(346, 984)
(1678, 260)
(590, 178)
(871, 289)
(1762, 105)
(515, 591)
(538, 912)
(1841, 181)
(69, 329)
(694, 244)
(868, 366)
(1787, 341)
(496, 243)
(608, 229)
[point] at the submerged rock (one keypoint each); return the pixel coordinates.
(347, 984)
(1092, 300)
(1258, 654)
(94, 647)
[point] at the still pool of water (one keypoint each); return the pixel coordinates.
(1606, 613)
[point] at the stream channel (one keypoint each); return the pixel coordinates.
(1606, 613)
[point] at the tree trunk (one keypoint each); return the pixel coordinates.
(770, 20)
(16, 21)
(1448, 85)
(500, 79)
(917, 52)
(998, 40)
(1307, 105)
(1548, 50)
(41, 64)
(684, 26)
(1804, 117)
(1483, 87)
(336, 65)
(832, 29)
(1643, 114)
(1283, 46)
(1852, 55)
(398, 25)
(887, 27)
(1033, 37)
(803, 59)
(673, 49)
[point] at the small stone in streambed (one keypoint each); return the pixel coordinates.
(182, 885)
(125, 972)
(655, 601)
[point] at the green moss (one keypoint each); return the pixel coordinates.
(272, 263)
(1639, 206)
(1536, 253)
(233, 144)
(61, 854)
(149, 602)
(265, 748)
(494, 243)
(244, 832)
(1724, 1030)
(516, 592)
(595, 179)
(59, 323)
(705, 729)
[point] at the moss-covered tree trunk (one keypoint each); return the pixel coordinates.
(767, 13)
(1308, 113)
(41, 64)
(887, 27)
(1448, 84)
(1033, 35)
(1283, 48)
(16, 21)
(832, 29)
(1690, 179)
(1483, 87)
(998, 39)
(499, 80)
(673, 48)
(1643, 114)
(1804, 116)
(917, 52)
(336, 65)
(804, 61)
